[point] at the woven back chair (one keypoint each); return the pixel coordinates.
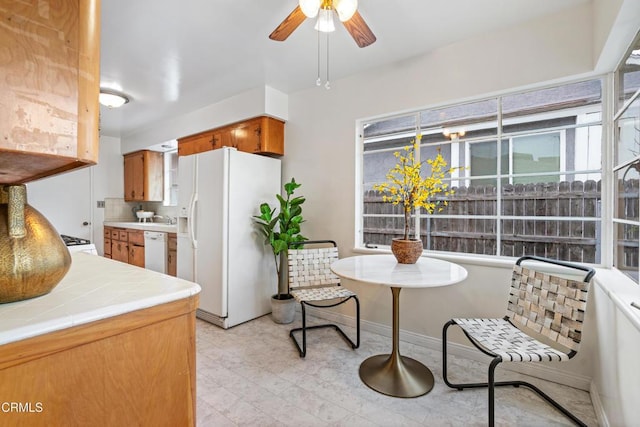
(312, 283)
(541, 307)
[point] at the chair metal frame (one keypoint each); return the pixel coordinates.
(497, 359)
(335, 281)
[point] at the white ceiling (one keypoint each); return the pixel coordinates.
(173, 57)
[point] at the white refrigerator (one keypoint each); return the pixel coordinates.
(219, 246)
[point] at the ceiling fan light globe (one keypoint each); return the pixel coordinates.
(345, 8)
(310, 7)
(325, 21)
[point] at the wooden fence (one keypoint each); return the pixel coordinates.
(566, 239)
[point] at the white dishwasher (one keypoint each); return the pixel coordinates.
(155, 251)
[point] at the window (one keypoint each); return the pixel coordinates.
(170, 197)
(626, 218)
(520, 155)
(483, 160)
(529, 177)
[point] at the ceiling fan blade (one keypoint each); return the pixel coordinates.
(289, 24)
(359, 30)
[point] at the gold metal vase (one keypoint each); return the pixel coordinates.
(33, 257)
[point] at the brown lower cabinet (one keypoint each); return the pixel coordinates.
(136, 247)
(172, 255)
(125, 245)
(135, 369)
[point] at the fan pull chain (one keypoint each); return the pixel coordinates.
(319, 81)
(327, 85)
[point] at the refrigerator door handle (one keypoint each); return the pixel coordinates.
(192, 217)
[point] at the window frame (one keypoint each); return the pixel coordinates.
(617, 221)
(499, 217)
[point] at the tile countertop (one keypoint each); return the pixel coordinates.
(150, 226)
(95, 288)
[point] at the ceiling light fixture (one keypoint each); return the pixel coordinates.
(344, 8)
(324, 9)
(347, 11)
(310, 8)
(112, 99)
(325, 21)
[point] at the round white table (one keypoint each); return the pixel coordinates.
(393, 374)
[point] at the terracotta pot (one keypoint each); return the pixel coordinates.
(33, 257)
(406, 251)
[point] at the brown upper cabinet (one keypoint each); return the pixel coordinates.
(261, 135)
(49, 84)
(143, 176)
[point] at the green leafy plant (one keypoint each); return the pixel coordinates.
(281, 230)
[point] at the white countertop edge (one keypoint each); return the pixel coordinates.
(39, 328)
(144, 226)
(32, 330)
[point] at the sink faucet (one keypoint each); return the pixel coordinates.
(167, 219)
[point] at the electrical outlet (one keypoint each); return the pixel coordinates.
(101, 203)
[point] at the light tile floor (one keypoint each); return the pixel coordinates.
(251, 375)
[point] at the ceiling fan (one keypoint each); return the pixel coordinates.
(347, 13)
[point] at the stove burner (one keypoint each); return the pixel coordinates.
(74, 241)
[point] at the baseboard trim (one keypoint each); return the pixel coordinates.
(211, 318)
(537, 370)
(603, 421)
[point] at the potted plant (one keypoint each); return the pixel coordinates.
(281, 231)
(407, 187)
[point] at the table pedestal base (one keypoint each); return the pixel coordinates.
(396, 375)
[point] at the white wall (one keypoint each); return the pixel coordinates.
(65, 200)
(108, 181)
(321, 133)
(69, 199)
